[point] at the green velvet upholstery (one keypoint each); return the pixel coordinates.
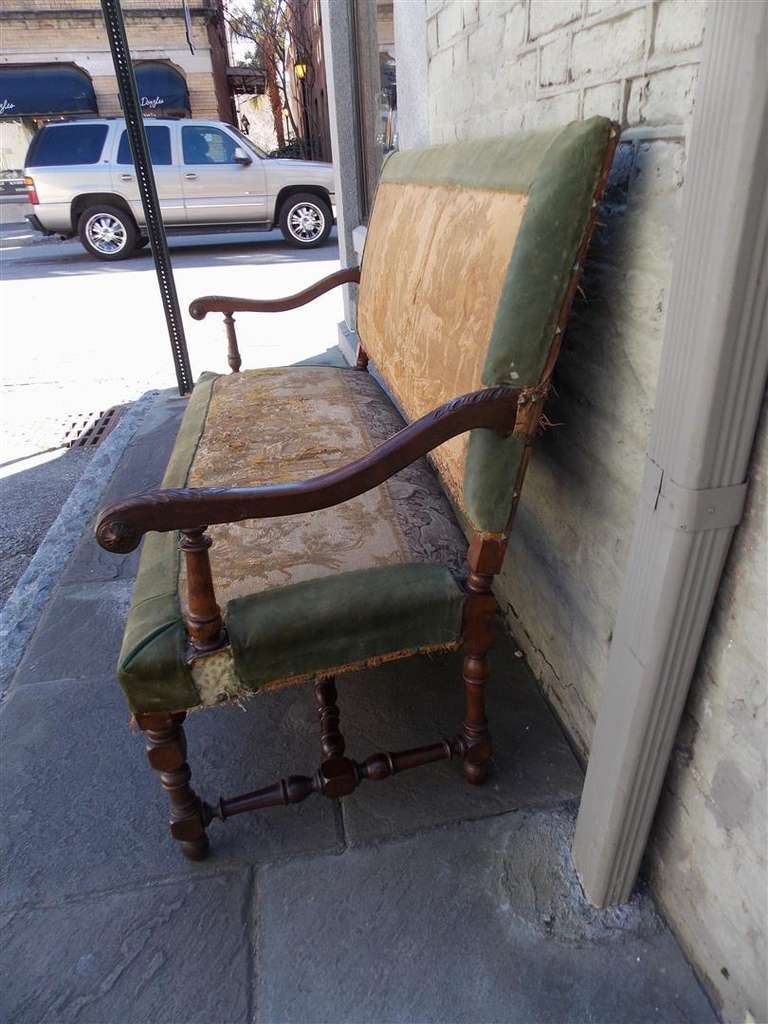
(152, 666)
(327, 624)
(559, 205)
(355, 618)
(558, 173)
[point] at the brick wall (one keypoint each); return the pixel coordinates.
(498, 66)
(529, 65)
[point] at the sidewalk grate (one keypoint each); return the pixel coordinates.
(88, 429)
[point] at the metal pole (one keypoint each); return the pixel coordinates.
(134, 122)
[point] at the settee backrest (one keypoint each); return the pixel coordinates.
(468, 266)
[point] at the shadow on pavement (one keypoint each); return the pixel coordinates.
(68, 259)
(32, 492)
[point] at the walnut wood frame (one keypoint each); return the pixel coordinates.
(191, 511)
(229, 305)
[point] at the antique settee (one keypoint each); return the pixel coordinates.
(299, 532)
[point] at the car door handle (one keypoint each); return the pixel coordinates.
(190, 175)
(126, 177)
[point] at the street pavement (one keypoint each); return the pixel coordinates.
(80, 336)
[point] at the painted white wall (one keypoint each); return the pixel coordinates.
(411, 57)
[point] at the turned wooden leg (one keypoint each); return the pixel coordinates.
(474, 728)
(331, 740)
(167, 754)
(233, 352)
(361, 360)
(485, 558)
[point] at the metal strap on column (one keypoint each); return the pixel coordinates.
(134, 122)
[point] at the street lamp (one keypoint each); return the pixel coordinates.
(300, 71)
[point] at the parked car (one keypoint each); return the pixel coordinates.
(81, 181)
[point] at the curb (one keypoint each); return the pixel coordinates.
(26, 602)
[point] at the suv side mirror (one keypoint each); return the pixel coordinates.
(241, 157)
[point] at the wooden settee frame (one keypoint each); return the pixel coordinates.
(191, 511)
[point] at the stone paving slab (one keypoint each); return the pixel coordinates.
(32, 492)
(479, 922)
(21, 614)
(79, 634)
(82, 810)
(413, 702)
(141, 468)
(152, 955)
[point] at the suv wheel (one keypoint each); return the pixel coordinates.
(107, 232)
(305, 220)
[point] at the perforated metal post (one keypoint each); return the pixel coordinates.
(134, 122)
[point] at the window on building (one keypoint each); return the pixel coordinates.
(206, 145)
(159, 139)
(377, 88)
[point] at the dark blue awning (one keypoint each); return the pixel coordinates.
(32, 90)
(162, 89)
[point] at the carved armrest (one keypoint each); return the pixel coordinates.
(201, 307)
(121, 526)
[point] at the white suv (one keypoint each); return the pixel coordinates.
(81, 181)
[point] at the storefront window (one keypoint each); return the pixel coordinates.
(377, 88)
(387, 102)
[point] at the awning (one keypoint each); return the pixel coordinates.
(32, 90)
(162, 90)
(246, 81)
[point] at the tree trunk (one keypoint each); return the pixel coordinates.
(273, 92)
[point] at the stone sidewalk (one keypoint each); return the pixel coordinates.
(414, 900)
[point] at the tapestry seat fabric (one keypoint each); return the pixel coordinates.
(371, 579)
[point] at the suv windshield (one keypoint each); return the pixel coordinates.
(67, 144)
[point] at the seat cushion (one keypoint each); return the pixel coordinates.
(278, 581)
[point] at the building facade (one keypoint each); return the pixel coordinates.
(306, 88)
(55, 62)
